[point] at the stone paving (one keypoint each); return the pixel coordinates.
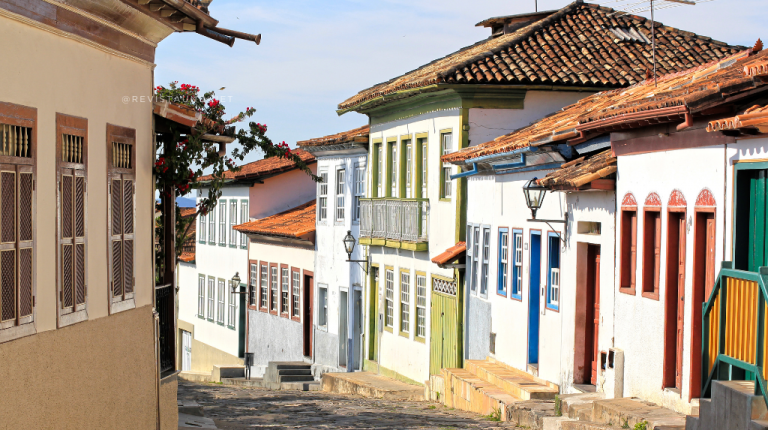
(246, 408)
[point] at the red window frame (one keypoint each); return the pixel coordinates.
(628, 250)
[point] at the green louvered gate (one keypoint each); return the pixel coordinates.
(444, 339)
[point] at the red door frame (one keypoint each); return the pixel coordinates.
(308, 316)
(674, 299)
(703, 282)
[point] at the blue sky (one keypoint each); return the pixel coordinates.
(316, 53)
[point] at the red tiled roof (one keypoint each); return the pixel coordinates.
(754, 117)
(451, 254)
(676, 96)
(186, 212)
(292, 223)
(575, 46)
(187, 257)
(358, 134)
(581, 171)
(266, 167)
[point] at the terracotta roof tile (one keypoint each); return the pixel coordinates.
(358, 134)
(581, 171)
(451, 254)
(676, 95)
(574, 46)
(186, 212)
(754, 117)
(265, 167)
(293, 223)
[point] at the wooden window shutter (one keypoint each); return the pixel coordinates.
(122, 196)
(657, 256)
(17, 223)
(71, 162)
(633, 252)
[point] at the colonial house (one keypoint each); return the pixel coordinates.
(530, 66)
(78, 308)
(212, 318)
(668, 192)
(281, 257)
(341, 165)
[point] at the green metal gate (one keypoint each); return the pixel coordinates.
(445, 351)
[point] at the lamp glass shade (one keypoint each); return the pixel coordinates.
(236, 280)
(534, 194)
(349, 243)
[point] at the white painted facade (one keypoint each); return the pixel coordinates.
(216, 262)
(334, 352)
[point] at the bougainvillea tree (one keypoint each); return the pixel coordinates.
(184, 154)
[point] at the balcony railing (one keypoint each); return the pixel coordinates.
(734, 330)
(398, 220)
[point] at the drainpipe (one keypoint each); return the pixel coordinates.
(467, 173)
(688, 121)
(514, 165)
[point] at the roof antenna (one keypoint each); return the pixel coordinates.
(536, 2)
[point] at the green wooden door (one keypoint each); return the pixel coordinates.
(444, 338)
(750, 244)
(373, 315)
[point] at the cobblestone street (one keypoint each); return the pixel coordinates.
(246, 408)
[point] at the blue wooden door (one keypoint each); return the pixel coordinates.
(533, 298)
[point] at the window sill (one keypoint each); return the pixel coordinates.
(628, 291)
(73, 318)
(651, 295)
(220, 323)
(518, 297)
(285, 315)
(201, 317)
(231, 327)
(445, 199)
(388, 329)
(297, 319)
(273, 313)
(405, 334)
(122, 306)
(551, 308)
(420, 339)
(323, 328)
(17, 332)
(501, 294)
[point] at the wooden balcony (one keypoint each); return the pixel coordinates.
(395, 223)
(734, 328)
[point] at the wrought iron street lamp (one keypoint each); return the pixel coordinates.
(534, 195)
(235, 282)
(534, 198)
(349, 246)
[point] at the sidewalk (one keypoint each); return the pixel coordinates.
(371, 385)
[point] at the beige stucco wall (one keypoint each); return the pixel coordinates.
(57, 74)
(98, 374)
(169, 408)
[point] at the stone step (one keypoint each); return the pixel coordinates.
(578, 405)
(586, 425)
(287, 372)
(515, 382)
(295, 378)
(371, 385)
(733, 406)
(280, 365)
(531, 414)
(261, 383)
(758, 425)
(466, 391)
(631, 411)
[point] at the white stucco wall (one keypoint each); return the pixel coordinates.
(220, 262)
(331, 266)
(498, 201)
(639, 321)
(277, 337)
(406, 355)
(488, 124)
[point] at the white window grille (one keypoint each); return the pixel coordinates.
(389, 315)
(359, 189)
(211, 297)
(243, 220)
(220, 313)
(322, 197)
(201, 296)
(322, 301)
(380, 169)
(424, 169)
(517, 268)
(486, 257)
(475, 258)
(223, 223)
(554, 294)
(340, 180)
(446, 147)
(254, 284)
(405, 302)
(503, 255)
(284, 291)
(232, 305)
(421, 306)
(274, 292)
(296, 293)
(212, 226)
(232, 222)
(202, 223)
(394, 174)
(264, 286)
(408, 168)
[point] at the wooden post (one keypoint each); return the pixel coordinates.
(168, 207)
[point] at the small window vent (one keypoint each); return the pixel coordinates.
(15, 141)
(72, 149)
(629, 34)
(121, 155)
